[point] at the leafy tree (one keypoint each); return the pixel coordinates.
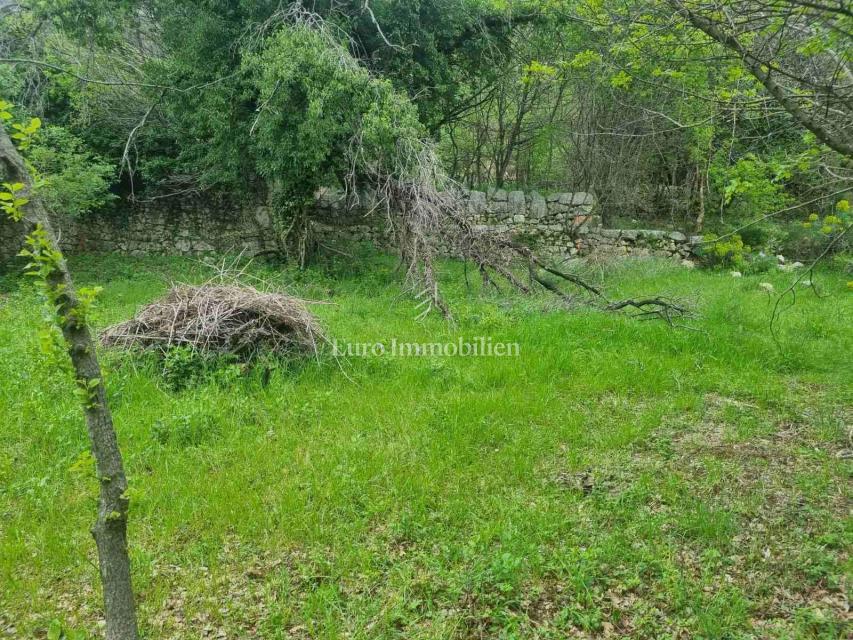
(320, 113)
(70, 179)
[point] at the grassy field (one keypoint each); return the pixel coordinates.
(617, 479)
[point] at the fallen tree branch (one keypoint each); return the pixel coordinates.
(777, 310)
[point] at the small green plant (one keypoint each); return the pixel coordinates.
(11, 202)
(185, 367)
(188, 430)
(810, 238)
(25, 134)
(58, 631)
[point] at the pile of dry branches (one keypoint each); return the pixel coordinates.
(222, 318)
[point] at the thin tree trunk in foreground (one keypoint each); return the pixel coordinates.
(110, 529)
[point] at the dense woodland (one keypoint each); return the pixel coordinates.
(702, 115)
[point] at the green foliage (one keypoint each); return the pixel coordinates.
(184, 368)
(68, 178)
(446, 49)
(72, 181)
(5, 111)
(810, 238)
(44, 260)
(760, 236)
(317, 103)
(24, 134)
(95, 21)
(730, 252)
(11, 201)
(752, 186)
(59, 631)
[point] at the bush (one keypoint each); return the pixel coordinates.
(810, 238)
(727, 253)
(751, 185)
(72, 181)
(761, 236)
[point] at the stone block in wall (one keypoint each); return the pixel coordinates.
(579, 199)
(537, 207)
(325, 197)
(477, 203)
(582, 222)
(555, 208)
(500, 209)
(517, 203)
(497, 195)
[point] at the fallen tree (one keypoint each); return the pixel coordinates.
(374, 143)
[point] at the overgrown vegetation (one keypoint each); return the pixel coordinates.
(635, 481)
(659, 107)
(686, 478)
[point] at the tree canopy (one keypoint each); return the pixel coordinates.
(666, 109)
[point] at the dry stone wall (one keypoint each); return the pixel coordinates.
(186, 226)
(562, 224)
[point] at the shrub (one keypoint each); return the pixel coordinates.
(760, 236)
(810, 238)
(729, 252)
(751, 185)
(72, 181)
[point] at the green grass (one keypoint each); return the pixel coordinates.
(619, 478)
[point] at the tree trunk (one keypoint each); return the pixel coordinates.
(110, 529)
(833, 139)
(700, 216)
